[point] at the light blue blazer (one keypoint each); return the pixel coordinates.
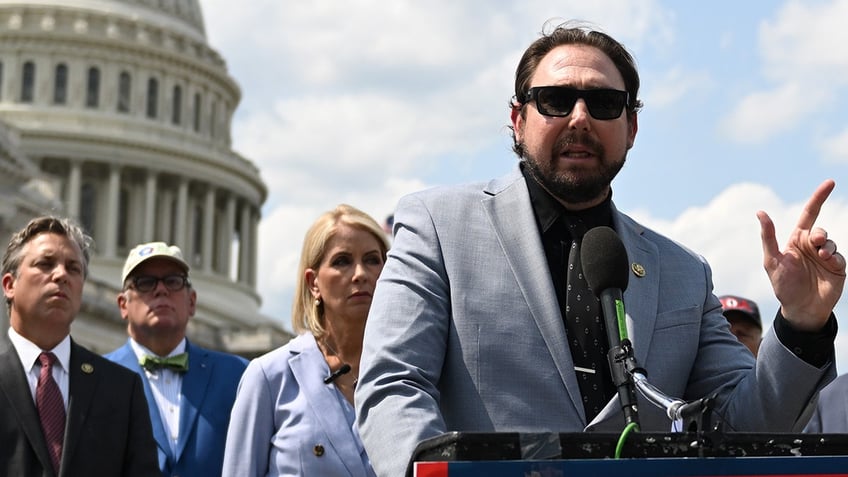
(831, 413)
(287, 422)
(208, 391)
(465, 332)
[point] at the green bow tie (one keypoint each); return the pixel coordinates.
(178, 363)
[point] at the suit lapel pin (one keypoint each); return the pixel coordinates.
(87, 368)
(638, 269)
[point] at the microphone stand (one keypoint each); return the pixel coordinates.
(620, 354)
(628, 376)
(694, 415)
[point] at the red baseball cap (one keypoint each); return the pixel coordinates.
(742, 307)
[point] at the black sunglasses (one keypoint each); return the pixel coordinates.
(558, 101)
(146, 283)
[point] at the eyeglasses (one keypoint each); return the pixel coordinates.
(559, 101)
(147, 283)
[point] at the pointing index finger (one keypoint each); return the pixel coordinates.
(813, 206)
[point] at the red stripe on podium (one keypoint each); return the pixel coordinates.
(431, 469)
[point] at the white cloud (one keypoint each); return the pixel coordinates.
(835, 148)
(675, 84)
(802, 43)
(762, 115)
(799, 50)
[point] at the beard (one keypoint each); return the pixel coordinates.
(574, 187)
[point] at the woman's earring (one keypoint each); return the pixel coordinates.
(317, 302)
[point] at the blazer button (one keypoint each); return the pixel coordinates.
(318, 450)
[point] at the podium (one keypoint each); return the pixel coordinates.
(458, 454)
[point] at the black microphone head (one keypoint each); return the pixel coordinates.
(604, 260)
(343, 369)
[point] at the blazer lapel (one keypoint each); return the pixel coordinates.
(13, 384)
(511, 215)
(83, 380)
(308, 366)
(125, 356)
(193, 391)
(641, 299)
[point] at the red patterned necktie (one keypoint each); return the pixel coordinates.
(51, 409)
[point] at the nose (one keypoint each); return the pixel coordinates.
(579, 117)
(160, 288)
(60, 273)
(360, 272)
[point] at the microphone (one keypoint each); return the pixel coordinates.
(606, 269)
(344, 369)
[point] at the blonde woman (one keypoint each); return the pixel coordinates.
(294, 411)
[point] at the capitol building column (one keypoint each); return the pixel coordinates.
(166, 198)
(244, 244)
(113, 197)
(254, 246)
(181, 219)
(226, 249)
(208, 230)
(72, 192)
(149, 228)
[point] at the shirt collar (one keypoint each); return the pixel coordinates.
(141, 350)
(548, 210)
(28, 351)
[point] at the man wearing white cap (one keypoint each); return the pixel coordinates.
(190, 390)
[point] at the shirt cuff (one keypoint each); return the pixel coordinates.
(814, 347)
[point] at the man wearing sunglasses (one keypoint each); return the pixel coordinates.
(190, 390)
(471, 327)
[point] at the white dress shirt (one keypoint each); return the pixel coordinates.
(166, 385)
(28, 353)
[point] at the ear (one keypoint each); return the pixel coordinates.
(9, 286)
(632, 126)
(517, 119)
(122, 304)
(192, 302)
(311, 279)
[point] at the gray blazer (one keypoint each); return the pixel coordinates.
(465, 332)
(831, 412)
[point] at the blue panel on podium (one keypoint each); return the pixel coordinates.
(830, 466)
(459, 454)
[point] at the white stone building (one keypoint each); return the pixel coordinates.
(118, 113)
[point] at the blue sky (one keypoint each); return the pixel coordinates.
(363, 101)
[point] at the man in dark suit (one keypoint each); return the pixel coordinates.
(63, 410)
(190, 390)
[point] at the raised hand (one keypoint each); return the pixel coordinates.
(808, 276)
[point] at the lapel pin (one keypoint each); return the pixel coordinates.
(87, 368)
(638, 269)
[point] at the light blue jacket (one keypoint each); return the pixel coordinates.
(287, 422)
